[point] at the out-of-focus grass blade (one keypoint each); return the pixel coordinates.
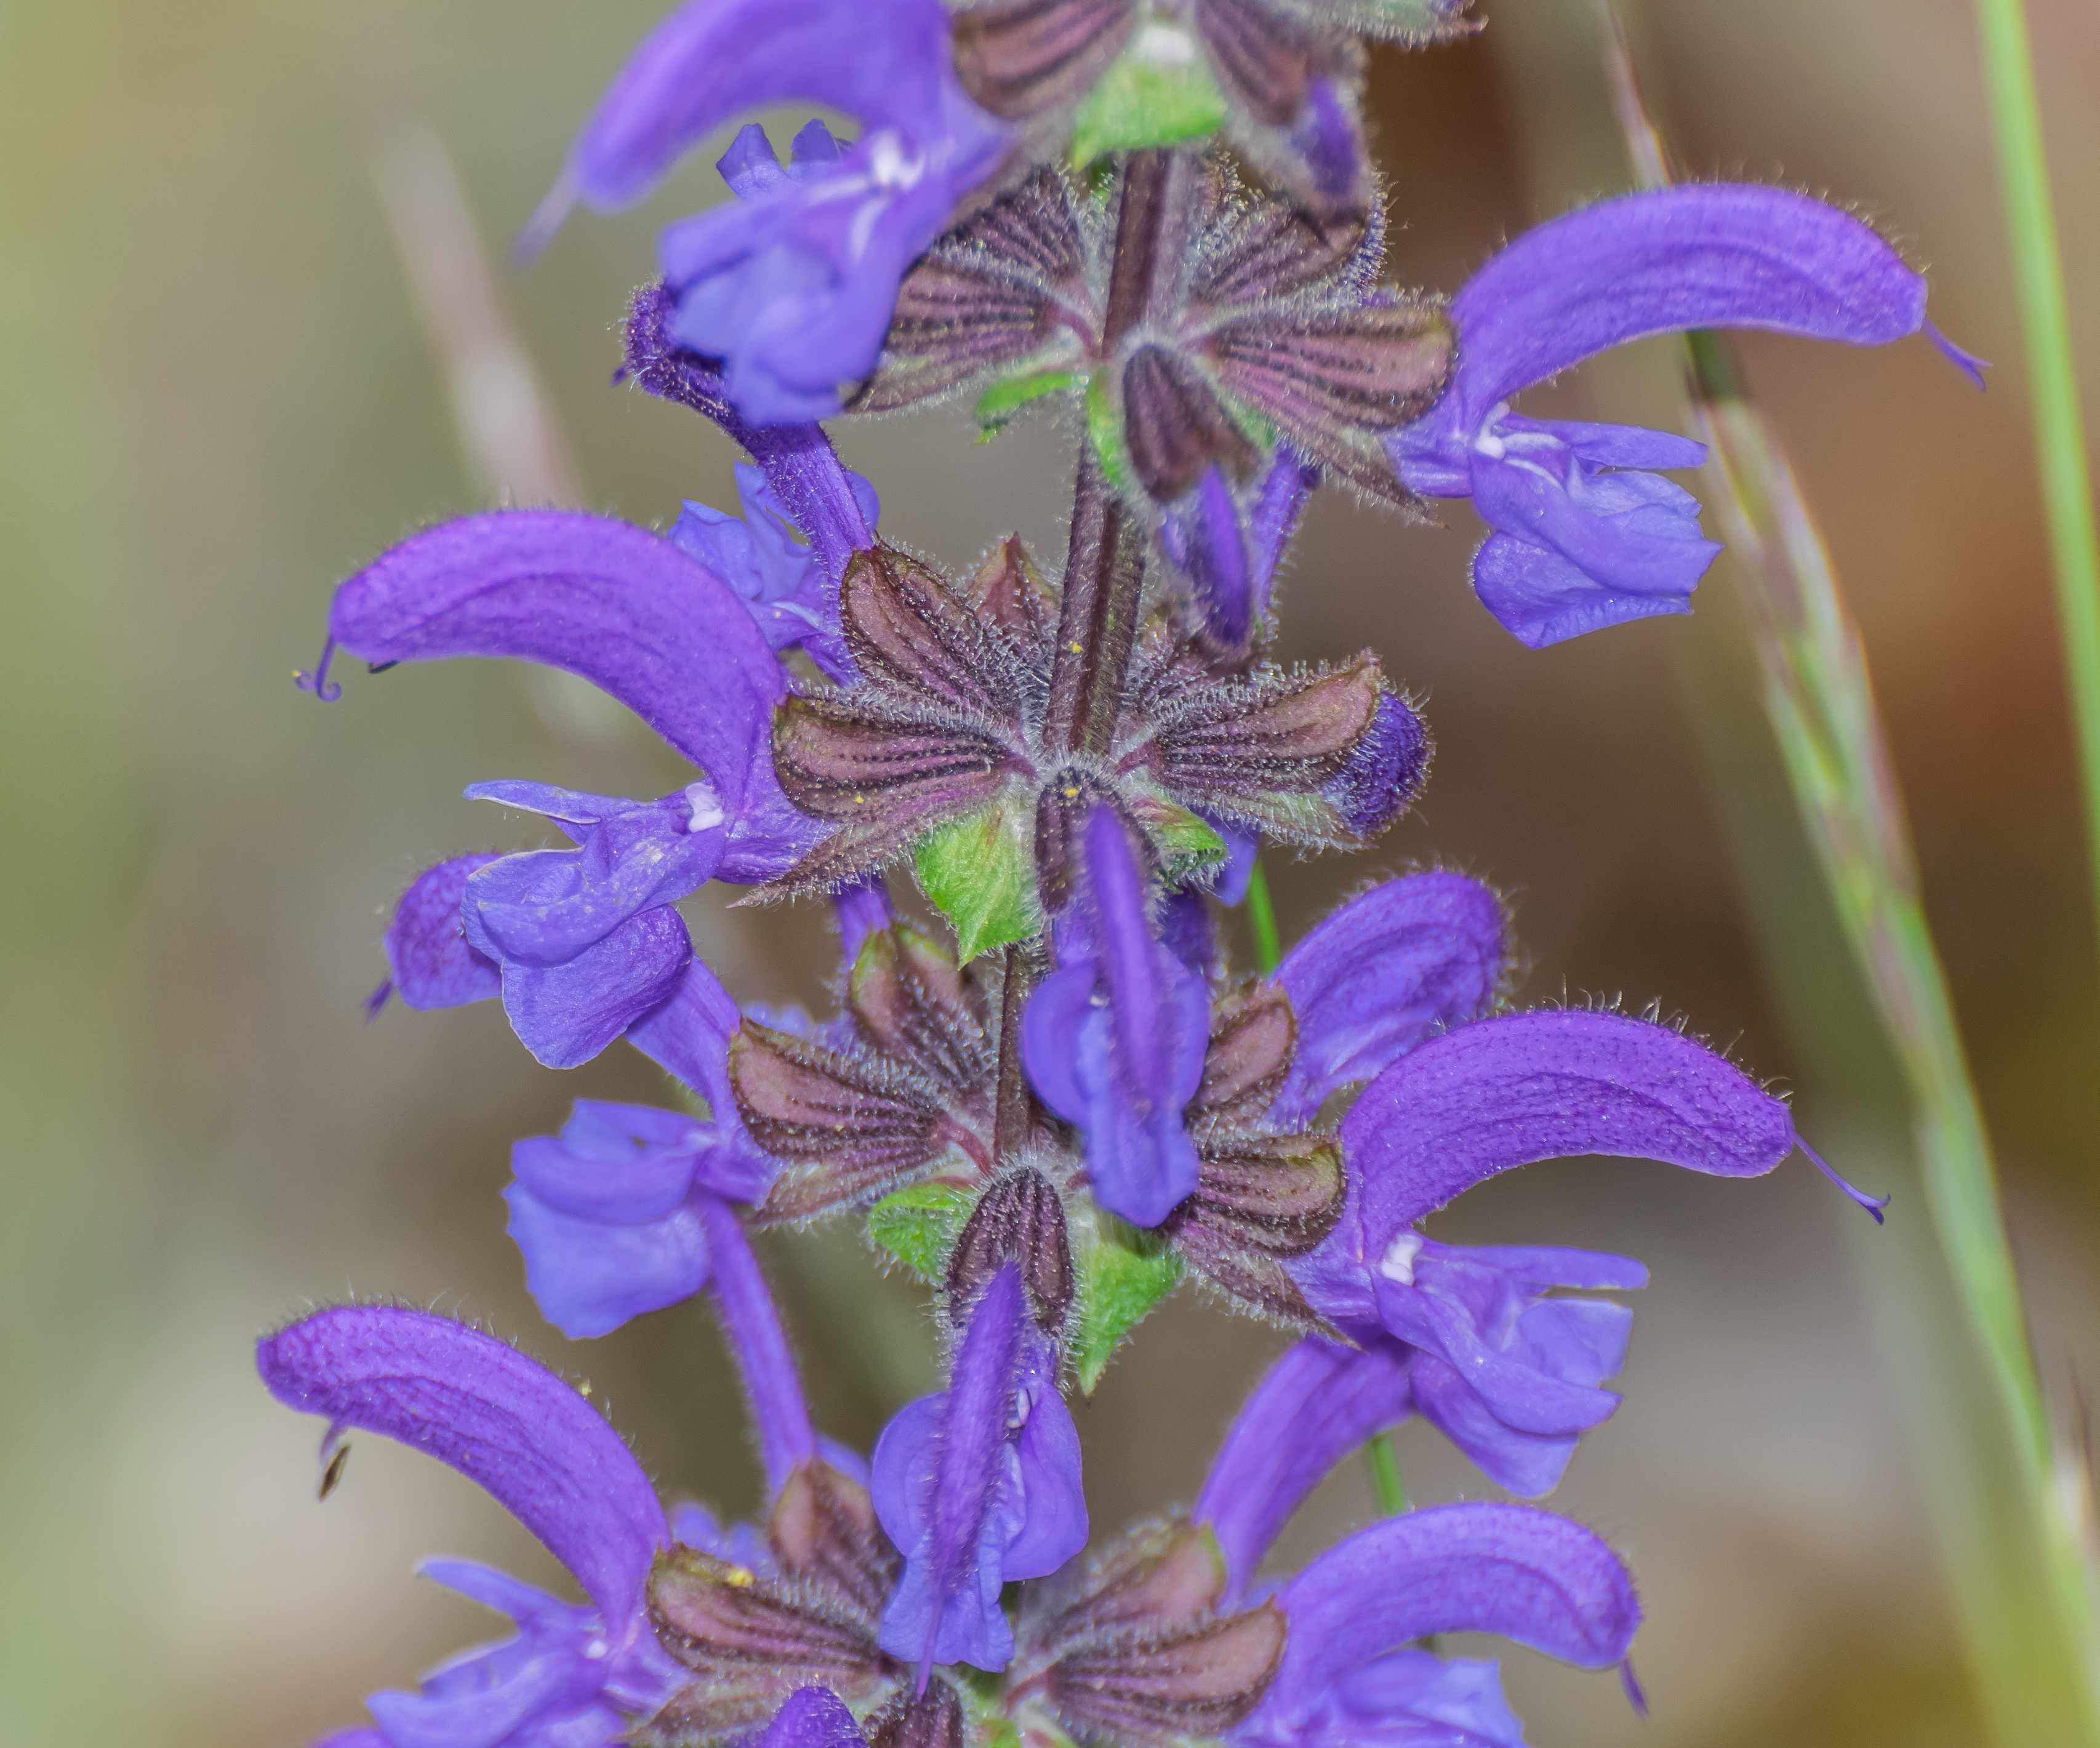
(1820, 701)
(2059, 427)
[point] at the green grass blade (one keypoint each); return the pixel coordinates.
(2059, 428)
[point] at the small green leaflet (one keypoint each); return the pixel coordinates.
(1158, 92)
(979, 871)
(1187, 844)
(917, 1223)
(999, 404)
(1125, 1275)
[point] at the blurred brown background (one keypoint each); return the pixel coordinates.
(215, 398)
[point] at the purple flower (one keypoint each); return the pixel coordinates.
(979, 1485)
(794, 602)
(1583, 537)
(1113, 1039)
(572, 1675)
(613, 1214)
(792, 285)
(1175, 1636)
(1350, 1673)
(1509, 1375)
(584, 942)
(1347, 1675)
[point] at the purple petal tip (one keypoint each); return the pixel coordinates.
(1636, 1695)
(317, 683)
(1872, 1204)
(1966, 362)
(378, 1000)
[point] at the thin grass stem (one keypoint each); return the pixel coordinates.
(2059, 427)
(1820, 701)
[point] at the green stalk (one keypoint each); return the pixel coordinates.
(1383, 1462)
(1261, 918)
(2052, 377)
(1821, 702)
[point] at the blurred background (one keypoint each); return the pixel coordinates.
(218, 394)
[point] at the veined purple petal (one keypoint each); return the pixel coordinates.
(793, 287)
(1512, 1569)
(619, 605)
(433, 966)
(1313, 1406)
(712, 60)
(1528, 1087)
(1388, 969)
(1708, 255)
(689, 1034)
(760, 1346)
(501, 1419)
(545, 907)
(565, 1014)
(1527, 1464)
(611, 1162)
(588, 1277)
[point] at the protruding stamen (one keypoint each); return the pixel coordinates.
(317, 683)
(1636, 1695)
(1872, 1204)
(1966, 362)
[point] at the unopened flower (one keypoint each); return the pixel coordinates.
(979, 1485)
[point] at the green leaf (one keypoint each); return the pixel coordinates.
(917, 1223)
(979, 871)
(1186, 843)
(1002, 401)
(1157, 92)
(1125, 1275)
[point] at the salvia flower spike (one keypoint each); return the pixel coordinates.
(1046, 1091)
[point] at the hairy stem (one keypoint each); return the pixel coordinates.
(1010, 1117)
(1105, 564)
(1103, 576)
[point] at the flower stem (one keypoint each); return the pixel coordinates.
(1820, 701)
(1261, 918)
(2053, 376)
(1384, 1463)
(1105, 564)
(1011, 1114)
(1098, 620)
